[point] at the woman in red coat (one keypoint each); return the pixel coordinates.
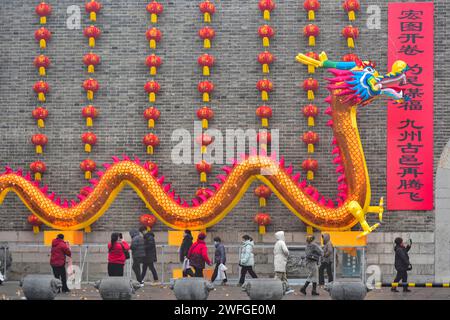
(198, 255)
(118, 253)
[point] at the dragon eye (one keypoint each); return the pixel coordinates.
(369, 69)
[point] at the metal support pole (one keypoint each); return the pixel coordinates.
(162, 264)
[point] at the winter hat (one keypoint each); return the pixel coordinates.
(201, 236)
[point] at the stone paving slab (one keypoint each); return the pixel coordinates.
(12, 291)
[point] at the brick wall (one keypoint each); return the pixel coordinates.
(120, 127)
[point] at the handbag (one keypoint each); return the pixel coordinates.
(409, 267)
(125, 252)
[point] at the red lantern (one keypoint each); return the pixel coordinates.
(147, 220)
(311, 6)
(203, 168)
(153, 62)
(265, 113)
(89, 139)
(91, 86)
(88, 166)
(40, 114)
(351, 33)
(93, 33)
(205, 88)
(311, 31)
(42, 35)
(312, 69)
(208, 9)
(152, 88)
(153, 35)
(264, 86)
(41, 88)
(38, 168)
(311, 86)
(266, 59)
(90, 113)
(266, 7)
(351, 6)
(310, 138)
(311, 112)
(204, 141)
(35, 222)
(262, 220)
(205, 114)
(264, 138)
(42, 63)
(43, 10)
(206, 61)
(151, 141)
(207, 34)
(266, 33)
(91, 60)
(151, 115)
(311, 166)
(155, 9)
(263, 192)
(39, 140)
(93, 8)
(351, 57)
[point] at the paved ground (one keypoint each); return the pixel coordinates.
(12, 291)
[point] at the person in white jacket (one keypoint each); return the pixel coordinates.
(280, 257)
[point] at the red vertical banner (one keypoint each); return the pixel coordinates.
(410, 183)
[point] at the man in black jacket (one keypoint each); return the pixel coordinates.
(402, 264)
(184, 249)
(150, 256)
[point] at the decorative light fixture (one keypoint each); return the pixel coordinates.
(205, 88)
(43, 35)
(311, 68)
(266, 7)
(39, 140)
(264, 86)
(43, 10)
(311, 112)
(206, 61)
(148, 221)
(310, 138)
(153, 62)
(89, 139)
(38, 168)
(266, 59)
(41, 88)
(262, 220)
(34, 222)
(40, 114)
(91, 60)
(151, 115)
(205, 114)
(311, 31)
(155, 9)
(207, 34)
(91, 86)
(310, 166)
(154, 36)
(89, 113)
(93, 33)
(152, 88)
(266, 33)
(88, 166)
(265, 113)
(311, 6)
(263, 193)
(351, 33)
(203, 168)
(151, 141)
(42, 62)
(204, 141)
(208, 9)
(93, 8)
(351, 6)
(310, 86)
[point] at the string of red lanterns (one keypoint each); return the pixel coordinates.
(264, 112)
(152, 87)
(42, 63)
(205, 87)
(91, 86)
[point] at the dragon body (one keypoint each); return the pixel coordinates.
(347, 91)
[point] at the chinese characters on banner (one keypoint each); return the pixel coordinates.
(410, 124)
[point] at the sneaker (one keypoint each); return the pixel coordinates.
(289, 291)
(141, 284)
(303, 290)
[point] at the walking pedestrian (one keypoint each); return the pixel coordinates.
(402, 264)
(220, 260)
(312, 255)
(247, 259)
(183, 251)
(138, 253)
(327, 260)
(118, 253)
(150, 256)
(280, 257)
(60, 249)
(198, 255)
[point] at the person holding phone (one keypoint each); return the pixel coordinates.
(402, 264)
(118, 253)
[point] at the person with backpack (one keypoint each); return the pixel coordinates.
(402, 264)
(327, 260)
(313, 255)
(280, 257)
(247, 259)
(198, 255)
(220, 259)
(150, 256)
(138, 253)
(118, 253)
(60, 249)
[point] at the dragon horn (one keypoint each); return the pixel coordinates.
(308, 61)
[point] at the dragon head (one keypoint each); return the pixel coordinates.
(359, 81)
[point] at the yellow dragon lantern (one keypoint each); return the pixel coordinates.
(353, 84)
